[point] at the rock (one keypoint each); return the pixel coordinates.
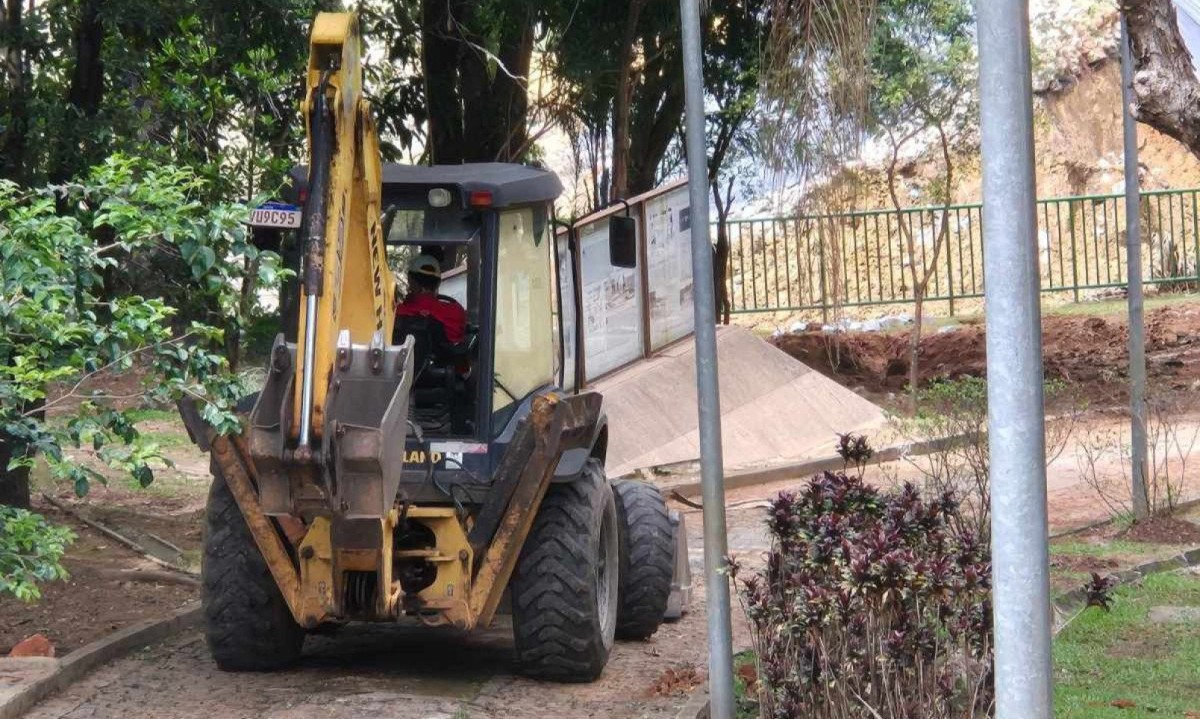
(35, 646)
(891, 321)
(1174, 615)
(948, 328)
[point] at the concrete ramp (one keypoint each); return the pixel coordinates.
(773, 408)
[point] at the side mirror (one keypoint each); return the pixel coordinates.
(622, 241)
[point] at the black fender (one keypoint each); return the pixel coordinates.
(570, 464)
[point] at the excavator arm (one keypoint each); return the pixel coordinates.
(328, 431)
(346, 282)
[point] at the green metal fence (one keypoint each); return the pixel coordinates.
(860, 258)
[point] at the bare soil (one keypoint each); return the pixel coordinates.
(1089, 353)
(385, 670)
(96, 600)
(1164, 529)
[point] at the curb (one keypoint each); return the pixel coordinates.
(829, 463)
(79, 663)
(696, 706)
(1075, 600)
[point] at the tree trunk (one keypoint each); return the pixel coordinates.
(914, 345)
(495, 98)
(13, 160)
(73, 152)
(14, 484)
(657, 112)
(623, 100)
(508, 95)
(1165, 84)
(721, 252)
(920, 277)
(439, 61)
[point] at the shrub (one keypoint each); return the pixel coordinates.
(956, 410)
(30, 552)
(869, 605)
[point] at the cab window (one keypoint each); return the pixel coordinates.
(525, 341)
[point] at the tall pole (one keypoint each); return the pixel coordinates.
(1133, 260)
(1016, 421)
(720, 637)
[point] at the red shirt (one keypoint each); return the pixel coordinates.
(443, 309)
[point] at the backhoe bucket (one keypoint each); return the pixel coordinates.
(366, 422)
(358, 467)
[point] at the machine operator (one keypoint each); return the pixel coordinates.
(423, 300)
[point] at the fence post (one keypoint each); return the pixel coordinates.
(1195, 239)
(821, 266)
(1074, 249)
(949, 260)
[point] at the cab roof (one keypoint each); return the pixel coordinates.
(509, 184)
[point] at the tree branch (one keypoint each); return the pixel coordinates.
(1164, 81)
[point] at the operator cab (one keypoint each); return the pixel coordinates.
(489, 227)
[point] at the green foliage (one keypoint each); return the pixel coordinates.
(63, 250)
(923, 63)
(734, 33)
(30, 552)
(60, 330)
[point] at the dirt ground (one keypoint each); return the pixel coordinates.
(1089, 353)
(368, 671)
(99, 598)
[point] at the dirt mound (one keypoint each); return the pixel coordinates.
(1086, 351)
(1164, 530)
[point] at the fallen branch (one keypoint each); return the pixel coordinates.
(153, 576)
(113, 534)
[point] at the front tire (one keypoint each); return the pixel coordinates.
(647, 558)
(565, 586)
(247, 622)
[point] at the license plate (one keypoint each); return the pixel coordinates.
(275, 214)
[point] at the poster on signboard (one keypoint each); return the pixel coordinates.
(611, 310)
(566, 280)
(669, 266)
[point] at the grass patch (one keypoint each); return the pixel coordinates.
(745, 699)
(1118, 307)
(138, 416)
(1119, 664)
(161, 426)
(1114, 548)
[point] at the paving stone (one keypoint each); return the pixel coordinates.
(1175, 615)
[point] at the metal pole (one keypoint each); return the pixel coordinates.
(720, 636)
(1133, 261)
(1016, 422)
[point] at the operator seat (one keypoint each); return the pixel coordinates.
(440, 401)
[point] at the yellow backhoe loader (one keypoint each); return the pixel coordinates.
(389, 473)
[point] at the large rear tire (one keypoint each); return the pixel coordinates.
(247, 622)
(564, 588)
(646, 558)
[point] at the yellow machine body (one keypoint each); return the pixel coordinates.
(358, 289)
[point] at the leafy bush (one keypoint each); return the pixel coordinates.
(957, 411)
(64, 324)
(30, 552)
(67, 321)
(869, 605)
